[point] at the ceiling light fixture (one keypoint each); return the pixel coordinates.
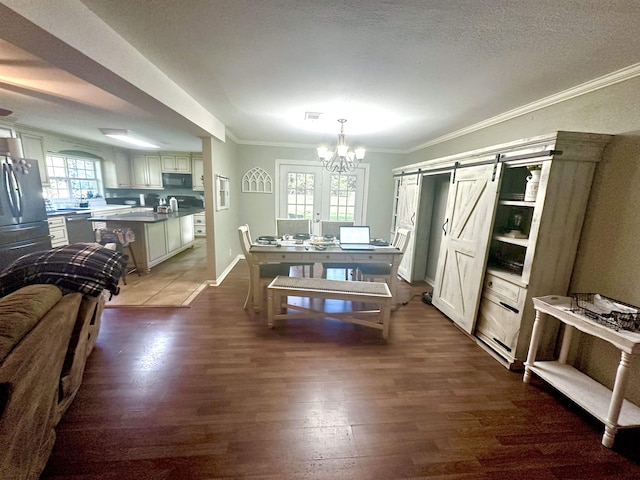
(127, 136)
(341, 160)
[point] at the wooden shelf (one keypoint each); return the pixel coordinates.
(585, 392)
(522, 242)
(517, 203)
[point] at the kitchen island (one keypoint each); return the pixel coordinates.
(158, 236)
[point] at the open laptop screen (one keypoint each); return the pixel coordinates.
(350, 235)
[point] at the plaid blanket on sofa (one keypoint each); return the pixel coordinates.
(87, 268)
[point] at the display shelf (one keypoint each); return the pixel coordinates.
(584, 391)
(517, 203)
(522, 242)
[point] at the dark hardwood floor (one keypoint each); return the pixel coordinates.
(210, 392)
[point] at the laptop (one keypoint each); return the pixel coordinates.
(355, 238)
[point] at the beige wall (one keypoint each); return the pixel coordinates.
(608, 259)
(259, 209)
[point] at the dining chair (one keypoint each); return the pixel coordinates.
(267, 271)
(332, 227)
(294, 226)
(382, 271)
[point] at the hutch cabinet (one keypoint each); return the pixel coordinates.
(498, 251)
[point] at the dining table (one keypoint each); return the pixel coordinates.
(308, 252)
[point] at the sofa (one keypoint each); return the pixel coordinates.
(49, 324)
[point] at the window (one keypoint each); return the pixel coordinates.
(74, 178)
(300, 188)
(342, 200)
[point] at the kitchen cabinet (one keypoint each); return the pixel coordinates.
(198, 174)
(176, 163)
(497, 250)
(116, 171)
(146, 172)
(199, 225)
(58, 231)
(187, 230)
(33, 149)
(173, 233)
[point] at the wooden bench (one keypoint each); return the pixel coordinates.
(377, 293)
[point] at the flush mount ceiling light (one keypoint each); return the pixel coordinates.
(127, 136)
(341, 160)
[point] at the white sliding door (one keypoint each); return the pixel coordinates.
(465, 245)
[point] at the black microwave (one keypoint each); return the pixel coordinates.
(176, 180)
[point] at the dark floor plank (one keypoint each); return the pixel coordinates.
(210, 392)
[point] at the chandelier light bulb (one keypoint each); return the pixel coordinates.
(341, 160)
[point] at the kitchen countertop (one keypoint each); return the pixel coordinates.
(91, 210)
(145, 217)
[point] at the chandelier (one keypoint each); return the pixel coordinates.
(341, 160)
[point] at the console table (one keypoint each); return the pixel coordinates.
(608, 406)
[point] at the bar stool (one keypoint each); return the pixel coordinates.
(122, 238)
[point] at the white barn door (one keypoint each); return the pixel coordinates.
(465, 246)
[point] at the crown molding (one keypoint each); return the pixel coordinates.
(618, 76)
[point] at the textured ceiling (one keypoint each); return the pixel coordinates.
(403, 72)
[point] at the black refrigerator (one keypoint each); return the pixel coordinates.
(23, 216)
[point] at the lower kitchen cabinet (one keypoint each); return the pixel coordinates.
(186, 230)
(58, 231)
(199, 225)
(173, 234)
(155, 240)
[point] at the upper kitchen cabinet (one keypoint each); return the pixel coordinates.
(116, 170)
(176, 163)
(198, 174)
(146, 171)
(33, 148)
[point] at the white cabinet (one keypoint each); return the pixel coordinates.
(155, 243)
(116, 171)
(199, 225)
(173, 233)
(176, 163)
(58, 231)
(33, 149)
(146, 172)
(187, 230)
(498, 251)
(197, 167)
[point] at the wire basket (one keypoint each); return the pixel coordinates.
(607, 311)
